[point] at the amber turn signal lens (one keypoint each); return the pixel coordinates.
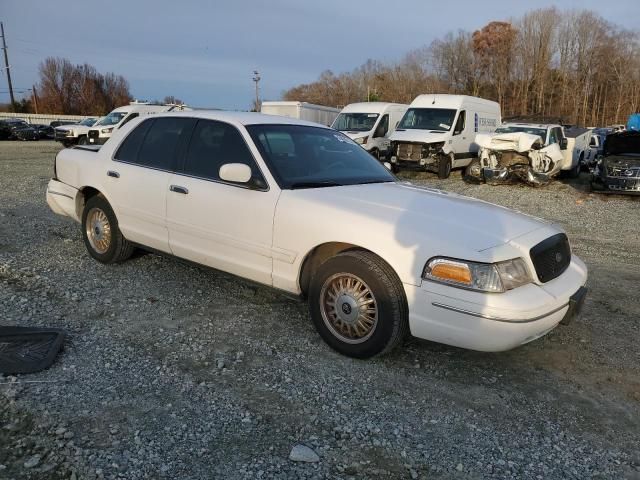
(453, 272)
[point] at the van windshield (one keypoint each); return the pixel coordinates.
(439, 119)
(112, 119)
(355, 122)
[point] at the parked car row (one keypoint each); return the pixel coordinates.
(19, 129)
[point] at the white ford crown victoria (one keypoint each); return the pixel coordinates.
(304, 209)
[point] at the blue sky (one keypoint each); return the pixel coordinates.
(204, 52)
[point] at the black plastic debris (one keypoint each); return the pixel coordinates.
(28, 349)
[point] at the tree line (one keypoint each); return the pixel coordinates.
(572, 65)
(69, 89)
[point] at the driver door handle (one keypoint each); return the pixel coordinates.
(178, 189)
(113, 174)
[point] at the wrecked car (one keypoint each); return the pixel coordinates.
(618, 171)
(514, 157)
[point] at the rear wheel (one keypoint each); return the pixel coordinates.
(358, 305)
(101, 234)
(575, 171)
(444, 166)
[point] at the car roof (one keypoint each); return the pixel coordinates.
(241, 118)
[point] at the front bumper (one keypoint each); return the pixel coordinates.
(622, 185)
(495, 322)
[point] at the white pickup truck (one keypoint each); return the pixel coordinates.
(303, 208)
(75, 133)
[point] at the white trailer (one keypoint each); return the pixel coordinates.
(301, 111)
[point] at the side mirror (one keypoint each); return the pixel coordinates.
(563, 143)
(380, 132)
(235, 172)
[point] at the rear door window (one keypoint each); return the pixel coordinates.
(128, 151)
(160, 144)
(154, 143)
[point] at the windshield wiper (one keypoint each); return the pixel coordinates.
(373, 181)
(298, 185)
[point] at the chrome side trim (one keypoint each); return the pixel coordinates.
(497, 319)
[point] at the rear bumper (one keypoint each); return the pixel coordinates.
(502, 321)
(61, 198)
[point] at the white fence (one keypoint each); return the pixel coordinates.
(41, 118)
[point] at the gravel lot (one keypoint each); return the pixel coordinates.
(173, 371)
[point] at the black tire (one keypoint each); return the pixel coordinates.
(575, 171)
(392, 322)
(82, 140)
(375, 153)
(444, 166)
(395, 168)
(473, 172)
(119, 248)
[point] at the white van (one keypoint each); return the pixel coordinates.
(438, 132)
(370, 124)
(102, 130)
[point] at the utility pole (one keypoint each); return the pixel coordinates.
(35, 98)
(256, 79)
(6, 66)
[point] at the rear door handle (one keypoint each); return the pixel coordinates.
(113, 174)
(178, 189)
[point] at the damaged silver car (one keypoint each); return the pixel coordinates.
(618, 171)
(514, 157)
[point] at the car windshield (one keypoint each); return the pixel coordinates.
(88, 122)
(355, 122)
(312, 157)
(112, 119)
(438, 119)
(541, 132)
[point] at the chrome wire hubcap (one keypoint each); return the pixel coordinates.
(98, 230)
(349, 308)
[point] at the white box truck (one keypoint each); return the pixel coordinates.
(371, 124)
(302, 111)
(438, 132)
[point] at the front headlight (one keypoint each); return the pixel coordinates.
(485, 277)
(69, 133)
(107, 130)
(362, 140)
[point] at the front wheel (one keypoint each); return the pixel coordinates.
(83, 140)
(101, 234)
(444, 166)
(358, 305)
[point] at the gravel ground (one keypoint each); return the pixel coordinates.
(173, 371)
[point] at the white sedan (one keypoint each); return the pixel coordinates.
(304, 209)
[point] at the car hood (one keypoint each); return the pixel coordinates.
(421, 136)
(415, 213)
